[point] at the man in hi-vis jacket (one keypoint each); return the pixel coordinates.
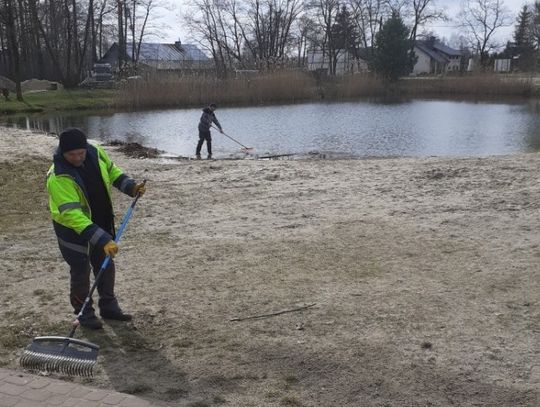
(79, 186)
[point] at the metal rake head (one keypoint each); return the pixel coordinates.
(60, 355)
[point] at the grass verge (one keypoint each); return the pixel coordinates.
(59, 100)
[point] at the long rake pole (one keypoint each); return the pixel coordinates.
(236, 141)
(105, 263)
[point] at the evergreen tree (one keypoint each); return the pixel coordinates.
(344, 33)
(393, 57)
(523, 47)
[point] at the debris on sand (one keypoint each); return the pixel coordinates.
(136, 150)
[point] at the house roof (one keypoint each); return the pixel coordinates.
(446, 49)
(193, 52)
(438, 47)
(421, 45)
(168, 52)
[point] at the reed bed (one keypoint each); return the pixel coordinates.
(185, 91)
(296, 86)
(480, 85)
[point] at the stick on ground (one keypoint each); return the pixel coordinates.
(273, 314)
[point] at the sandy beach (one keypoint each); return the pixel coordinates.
(298, 282)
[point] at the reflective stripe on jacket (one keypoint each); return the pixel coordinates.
(68, 199)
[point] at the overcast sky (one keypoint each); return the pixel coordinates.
(170, 21)
(453, 6)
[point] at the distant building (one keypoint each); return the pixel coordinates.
(435, 58)
(162, 57)
(503, 65)
(318, 60)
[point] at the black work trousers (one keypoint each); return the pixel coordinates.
(204, 136)
(80, 282)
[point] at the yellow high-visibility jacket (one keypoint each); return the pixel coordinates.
(69, 206)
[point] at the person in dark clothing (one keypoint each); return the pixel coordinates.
(79, 186)
(207, 118)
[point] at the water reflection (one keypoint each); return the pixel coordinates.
(412, 128)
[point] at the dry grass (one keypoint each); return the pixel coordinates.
(296, 86)
(480, 85)
(279, 87)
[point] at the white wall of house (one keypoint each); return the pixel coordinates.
(454, 65)
(503, 65)
(423, 64)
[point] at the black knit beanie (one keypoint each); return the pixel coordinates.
(72, 139)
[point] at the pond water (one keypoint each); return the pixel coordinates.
(411, 128)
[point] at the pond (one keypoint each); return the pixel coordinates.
(410, 128)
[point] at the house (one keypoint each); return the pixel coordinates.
(503, 65)
(162, 57)
(434, 57)
(318, 60)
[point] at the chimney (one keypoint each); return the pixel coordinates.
(178, 44)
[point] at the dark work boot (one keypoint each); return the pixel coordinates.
(90, 321)
(115, 313)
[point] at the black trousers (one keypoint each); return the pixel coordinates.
(204, 136)
(80, 282)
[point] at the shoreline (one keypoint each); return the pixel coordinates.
(423, 272)
(302, 89)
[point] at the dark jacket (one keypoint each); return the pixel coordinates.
(208, 117)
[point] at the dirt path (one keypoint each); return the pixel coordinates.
(423, 272)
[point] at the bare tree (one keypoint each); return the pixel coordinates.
(253, 33)
(423, 12)
(481, 19)
(270, 24)
(305, 30)
(326, 14)
(217, 25)
(9, 13)
(61, 39)
(368, 15)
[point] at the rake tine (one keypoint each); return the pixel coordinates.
(57, 363)
(62, 355)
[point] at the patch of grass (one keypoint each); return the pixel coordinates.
(290, 401)
(182, 343)
(291, 379)
(199, 404)
(219, 400)
(174, 393)
(25, 181)
(272, 394)
(13, 337)
(137, 388)
(44, 296)
(18, 334)
(56, 100)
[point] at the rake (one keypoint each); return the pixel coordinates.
(65, 354)
(245, 149)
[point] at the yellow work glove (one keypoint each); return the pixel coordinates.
(111, 248)
(139, 189)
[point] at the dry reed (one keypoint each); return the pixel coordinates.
(296, 86)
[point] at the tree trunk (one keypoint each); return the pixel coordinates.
(13, 46)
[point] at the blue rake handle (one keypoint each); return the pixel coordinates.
(105, 263)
